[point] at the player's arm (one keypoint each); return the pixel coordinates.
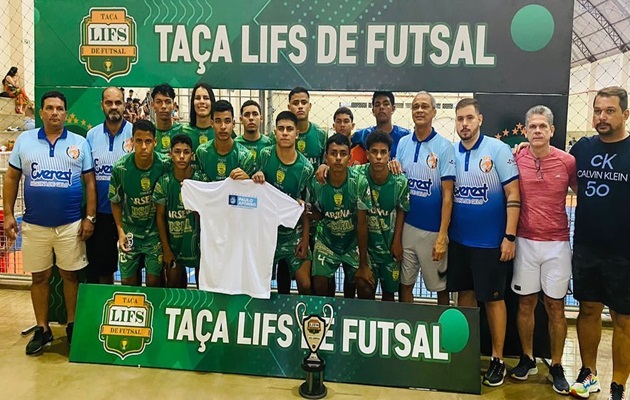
(397, 247)
(9, 195)
(301, 250)
(441, 242)
(87, 227)
(363, 272)
(513, 196)
(162, 225)
(117, 213)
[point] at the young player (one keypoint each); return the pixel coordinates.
(252, 138)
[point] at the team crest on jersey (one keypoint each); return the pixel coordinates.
(301, 145)
(127, 145)
(145, 183)
(338, 198)
(280, 176)
(73, 152)
(166, 141)
(375, 195)
(203, 139)
(395, 274)
(432, 161)
(221, 168)
(486, 164)
(254, 154)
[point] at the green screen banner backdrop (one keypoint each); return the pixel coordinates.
(446, 46)
(369, 342)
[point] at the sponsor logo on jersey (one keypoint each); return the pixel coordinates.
(127, 324)
(166, 141)
(145, 183)
(108, 45)
(486, 164)
(471, 194)
(301, 145)
(221, 168)
(242, 201)
(432, 161)
(73, 152)
(280, 176)
(49, 177)
(338, 198)
(102, 171)
(420, 187)
(127, 145)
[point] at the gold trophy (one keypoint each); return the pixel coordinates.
(314, 329)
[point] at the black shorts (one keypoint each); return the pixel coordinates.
(102, 250)
(478, 269)
(602, 277)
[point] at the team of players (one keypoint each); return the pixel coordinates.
(380, 225)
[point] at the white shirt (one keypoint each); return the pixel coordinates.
(239, 220)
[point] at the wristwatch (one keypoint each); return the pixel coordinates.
(510, 238)
(91, 218)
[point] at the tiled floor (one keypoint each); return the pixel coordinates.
(50, 375)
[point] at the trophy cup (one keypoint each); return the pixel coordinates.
(314, 329)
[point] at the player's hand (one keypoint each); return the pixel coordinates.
(394, 167)
(365, 273)
(238, 174)
(507, 250)
(258, 177)
(301, 250)
(322, 173)
(168, 258)
(439, 247)
(86, 229)
(518, 147)
(10, 227)
(397, 250)
(122, 243)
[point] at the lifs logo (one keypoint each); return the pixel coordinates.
(109, 44)
(127, 324)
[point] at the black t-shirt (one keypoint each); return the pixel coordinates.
(602, 217)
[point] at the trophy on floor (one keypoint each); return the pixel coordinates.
(314, 329)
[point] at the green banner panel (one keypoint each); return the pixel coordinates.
(449, 46)
(369, 342)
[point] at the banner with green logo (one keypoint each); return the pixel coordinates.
(402, 45)
(369, 342)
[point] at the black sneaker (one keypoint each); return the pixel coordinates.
(616, 392)
(526, 366)
(39, 340)
(69, 329)
(495, 374)
(556, 377)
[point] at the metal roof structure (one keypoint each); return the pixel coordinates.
(601, 28)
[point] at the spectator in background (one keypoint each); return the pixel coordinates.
(29, 121)
(128, 114)
(11, 83)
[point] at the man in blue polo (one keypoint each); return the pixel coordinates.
(108, 142)
(428, 160)
(486, 208)
(53, 161)
(383, 107)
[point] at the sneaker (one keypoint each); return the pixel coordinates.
(495, 374)
(616, 392)
(585, 384)
(556, 377)
(69, 329)
(39, 340)
(526, 366)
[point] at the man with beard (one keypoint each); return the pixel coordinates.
(252, 119)
(165, 127)
(108, 142)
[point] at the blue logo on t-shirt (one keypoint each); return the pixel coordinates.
(50, 178)
(242, 201)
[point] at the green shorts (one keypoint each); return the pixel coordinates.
(385, 270)
(285, 250)
(129, 262)
(326, 262)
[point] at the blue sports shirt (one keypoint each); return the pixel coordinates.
(479, 213)
(360, 137)
(426, 163)
(52, 176)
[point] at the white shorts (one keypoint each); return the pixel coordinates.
(418, 255)
(542, 265)
(39, 243)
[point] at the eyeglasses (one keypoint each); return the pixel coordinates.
(539, 173)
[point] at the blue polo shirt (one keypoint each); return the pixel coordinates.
(106, 149)
(479, 213)
(360, 137)
(426, 163)
(52, 176)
